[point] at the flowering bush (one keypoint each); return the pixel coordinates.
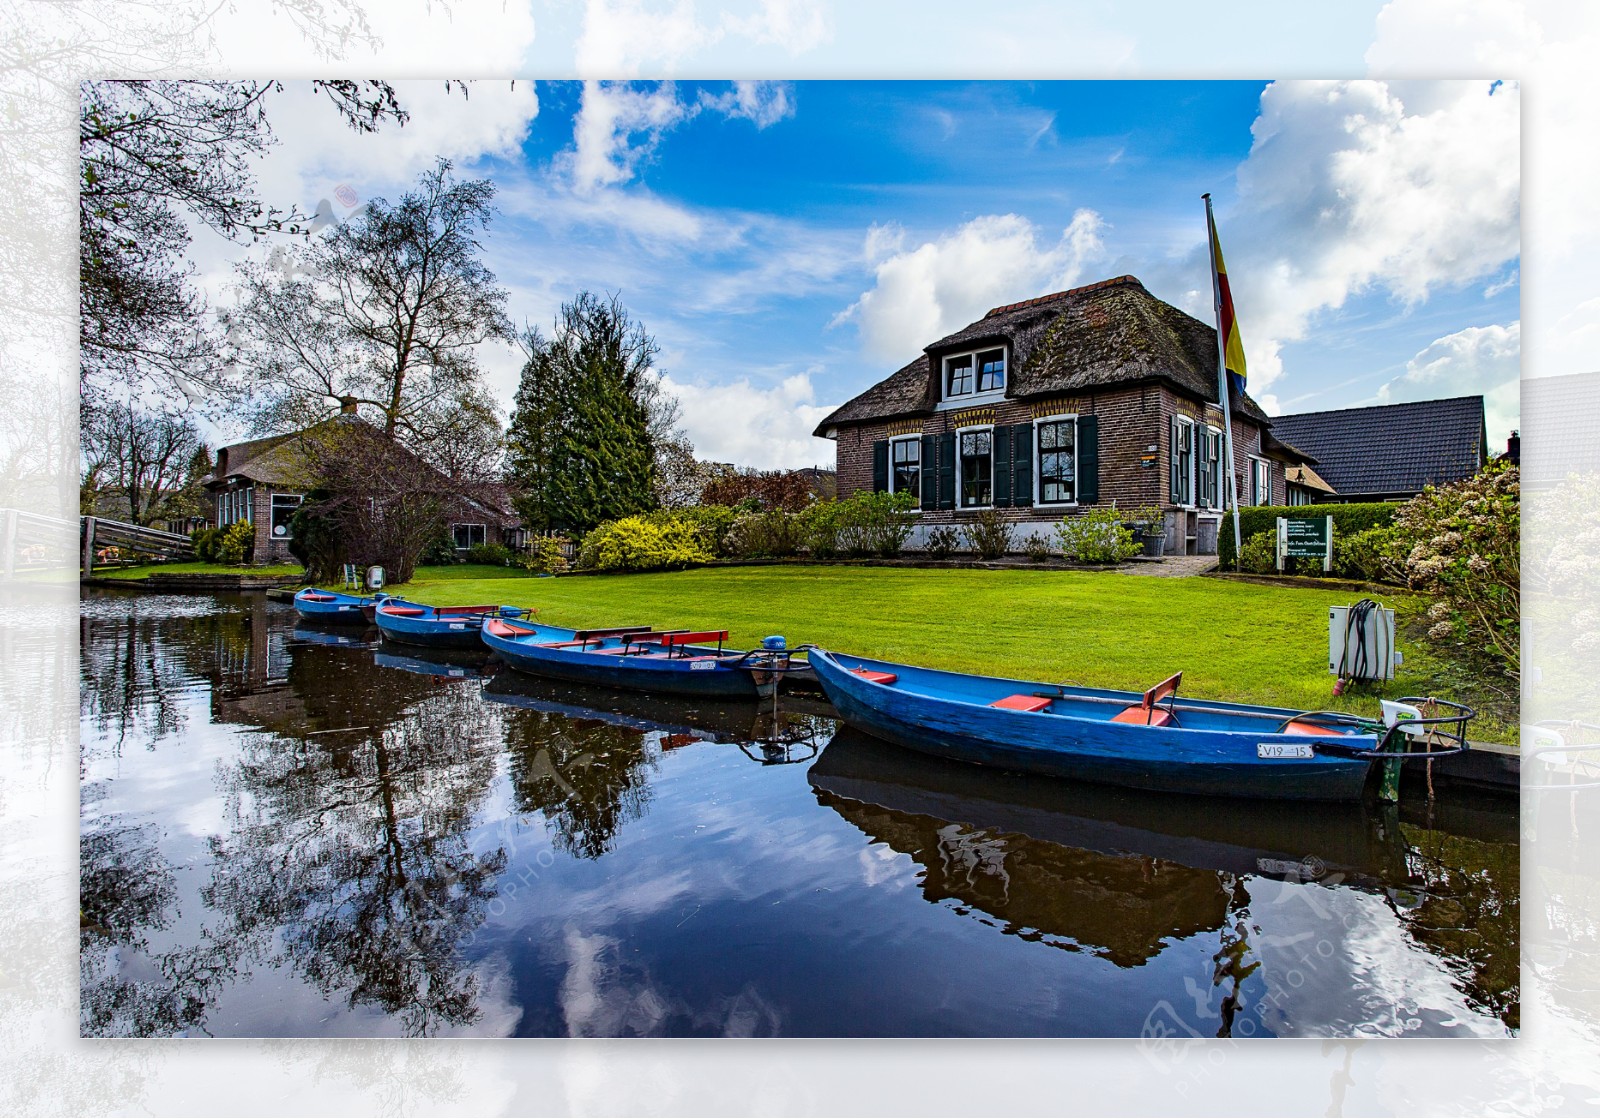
(1097, 536)
(546, 554)
(641, 544)
(772, 533)
(1461, 544)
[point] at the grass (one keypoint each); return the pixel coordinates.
(147, 570)
(1239, 641)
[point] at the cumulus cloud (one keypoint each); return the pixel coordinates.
(1348, 188)
(924, 292)
(750, 425)
(1479, 359)
(624, 37)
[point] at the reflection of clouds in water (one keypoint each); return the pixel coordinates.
(883, 865)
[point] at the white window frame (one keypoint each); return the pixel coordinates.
(1256, 463)
(1188, 475)
(1218, 501)
(1038, 466)
(481, 526)
(272, 508)
(921, 466)
(960, 481)
(947, 399)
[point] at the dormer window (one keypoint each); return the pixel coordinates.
(975, 374)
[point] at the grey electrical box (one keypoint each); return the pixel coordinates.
(1361, 643)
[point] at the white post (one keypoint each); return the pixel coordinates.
(1222, 381)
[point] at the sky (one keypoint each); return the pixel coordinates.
(789, 243)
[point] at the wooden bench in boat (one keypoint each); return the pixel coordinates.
(403, 611)
(1146, 713)
(676, 638)
(870, 676)
(1023, 703)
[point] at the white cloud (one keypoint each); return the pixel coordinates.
(742, 423)
(1479, 359)
(923, 293)
(795, 25)
(624, 38)
(1349, 187)
(762, 103)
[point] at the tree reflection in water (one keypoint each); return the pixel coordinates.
(586, 777)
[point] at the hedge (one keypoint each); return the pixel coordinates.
(1347, 520)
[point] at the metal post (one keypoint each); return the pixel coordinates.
(1222, 381)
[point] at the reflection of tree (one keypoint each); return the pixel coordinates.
(129, 681)
(352, 850)
(587, 777)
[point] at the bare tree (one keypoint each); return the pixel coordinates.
(139, 459)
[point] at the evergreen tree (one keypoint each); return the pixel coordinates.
(582, 447)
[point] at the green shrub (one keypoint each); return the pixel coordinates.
(990, 534)
(711, 523)
(1347, 521)
(769, 533)
(441, 551)
(1260, 555)
(494, 555)
(206, 541)
(819, 529)
(235, 543)
(546, 554)
(877, 523)
(643, 544)
(1367, 555)
(1096, 536)
(943, 541)
(1036, 547)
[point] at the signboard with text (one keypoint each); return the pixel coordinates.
(1306, 538)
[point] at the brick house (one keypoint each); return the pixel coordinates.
(1098, 395)
(263, 482)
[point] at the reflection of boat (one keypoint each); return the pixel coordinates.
(344, 637)
(668, 662)
(454, 663)
(436, 627)
(1117, 872)
(333, 607)
(1145, 741)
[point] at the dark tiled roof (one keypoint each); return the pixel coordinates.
(1391, 448)
(1110, 333)
(1560, 415)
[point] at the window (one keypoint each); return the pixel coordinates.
(283, 507)
(905, 466)
(1260, 482)
(1298, 496)
(975, 373)
(1210, 477)
(1182, 461)
(467, 536)
(1057, 443)
(976, 463)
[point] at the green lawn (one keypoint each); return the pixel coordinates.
(147, 570)
(1240, 641)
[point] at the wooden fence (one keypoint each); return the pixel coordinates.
(31, 543)
(101, 538)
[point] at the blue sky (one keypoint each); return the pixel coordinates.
(790, 243)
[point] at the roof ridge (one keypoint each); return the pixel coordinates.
(1478, 396)
(1038, 300)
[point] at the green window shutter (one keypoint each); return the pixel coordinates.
(930, 474)
(947, 470)
(1088, 460)
(1002, 465)
(1022, 464)
(1172, 462)
(880, 466)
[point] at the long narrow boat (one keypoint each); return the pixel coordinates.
(1150, 740)
(436, 627)
(638, 658)
(333, 607)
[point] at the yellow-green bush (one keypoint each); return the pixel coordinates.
(641, 544)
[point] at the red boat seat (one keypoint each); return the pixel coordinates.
(506, 629)
(1023, 702)
(874, 677)
(403, 611)
(316, 598)
(1144, 716)
(1298, 727)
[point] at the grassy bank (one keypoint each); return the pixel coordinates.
(147, 570)
(1246, 642)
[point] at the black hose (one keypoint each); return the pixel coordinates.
(1357, 661)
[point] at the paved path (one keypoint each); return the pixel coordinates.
(1172, 567)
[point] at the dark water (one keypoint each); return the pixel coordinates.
(288, 831)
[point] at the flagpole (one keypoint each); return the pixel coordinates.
(1222, 379)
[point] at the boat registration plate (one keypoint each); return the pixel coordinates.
(458, 625)
(702, 666)
(1277, 750)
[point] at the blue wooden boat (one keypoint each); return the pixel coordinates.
(436, 627)
(638, 658)
(1150, 740)
(333, 607)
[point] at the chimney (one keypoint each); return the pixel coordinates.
(347, 405)
(1514, 449)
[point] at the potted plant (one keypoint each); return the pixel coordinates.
(1149, 525)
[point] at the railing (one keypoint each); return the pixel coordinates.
(99, 535)
(30, 542)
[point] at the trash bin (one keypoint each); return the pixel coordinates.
(374, 578)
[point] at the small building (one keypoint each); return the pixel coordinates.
(1099, 395)
(263, 481)
(1389, 452)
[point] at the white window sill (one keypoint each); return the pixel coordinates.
(971, 400)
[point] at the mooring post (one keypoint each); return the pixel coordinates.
(8, 543)
(88, 547)
(1389, 786)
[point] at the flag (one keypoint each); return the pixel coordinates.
(1227, 322)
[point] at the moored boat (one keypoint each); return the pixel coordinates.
(436, 627)
(1151, 740)
(333, 607)
(638, 658)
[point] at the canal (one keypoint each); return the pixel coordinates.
(288, 831)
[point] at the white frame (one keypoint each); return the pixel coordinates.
(1038, 471)
(960, 481)
(921, 466)
(272, 506)
(1189, 499)
(962, 400)
(1218, 500)
(468, 524)
(1256, 461)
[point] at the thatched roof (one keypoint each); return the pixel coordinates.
(1110, 333)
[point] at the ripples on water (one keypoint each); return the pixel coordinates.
(288, 831)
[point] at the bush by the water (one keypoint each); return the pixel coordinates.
(205, 542)
(1097, 536)
(943, 541)
(990, 534)
(231, 544)
(645, 543)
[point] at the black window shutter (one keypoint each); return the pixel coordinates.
(930, 474)
(1022, 464)
(1088, 460)
(947, 470)
(1002, 465)
(880, 466)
